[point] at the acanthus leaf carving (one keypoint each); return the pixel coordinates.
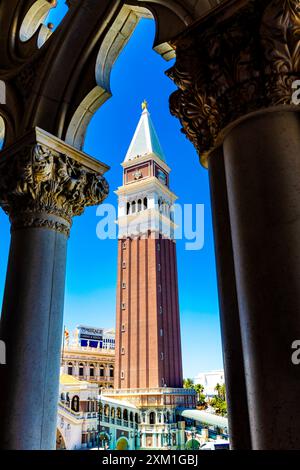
(232, 66)
(44, 188)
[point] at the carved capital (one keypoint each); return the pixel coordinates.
(43, 185)
(237, 61)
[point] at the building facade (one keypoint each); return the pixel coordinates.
(89, 355)
(210, 380)
(86, 420)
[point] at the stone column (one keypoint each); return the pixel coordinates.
(264, 201)
(43, 184)
(236, 394)
(237, 70)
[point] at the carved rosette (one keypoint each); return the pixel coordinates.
(229, 66)
(40, 187)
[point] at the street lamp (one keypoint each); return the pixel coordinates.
(167, 435)
(99, 419)
(135, 434)
(109, 436)
(193, 434)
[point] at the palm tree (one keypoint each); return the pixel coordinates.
(188, 383)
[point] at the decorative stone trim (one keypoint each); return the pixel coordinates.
(43, 187)
(228, 66)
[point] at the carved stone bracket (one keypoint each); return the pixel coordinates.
(233, 63)
(44, 183)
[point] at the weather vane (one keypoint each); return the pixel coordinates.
(144, 105)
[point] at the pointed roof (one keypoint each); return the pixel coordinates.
(145, 140)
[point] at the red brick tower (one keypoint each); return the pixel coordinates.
(148, 347)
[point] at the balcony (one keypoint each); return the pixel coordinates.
(149, 391)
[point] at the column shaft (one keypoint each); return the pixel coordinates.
(229, 313)
(31, 326)
(262, 163)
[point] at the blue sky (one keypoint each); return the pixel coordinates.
(91, 265)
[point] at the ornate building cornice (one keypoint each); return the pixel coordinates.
(41, 186)
(231, 65)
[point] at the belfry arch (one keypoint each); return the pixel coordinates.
(236, 62)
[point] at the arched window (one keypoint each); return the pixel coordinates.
(92, 370)
(139, 208)
(131, 416)
(119, 413)
(70, 368)
(152, 418)
(128, 208)
(62, 397)
(136, 418)
(145, 203)
(75, 403)
(133, 207)
(81, 369)
(111, 371)
(101, 369)
(125, 415)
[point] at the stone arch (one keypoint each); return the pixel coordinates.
(75, 403)
(65, 106)
(152, 417)
(106, 410)
(170, 18)
(81, 369)
(34, 17)
(92, 369)
(115, 40)
(133, 207)
(122, 443)
(60, 441)
(2, 132)
(70, 368)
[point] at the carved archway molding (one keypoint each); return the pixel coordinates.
(58, 84)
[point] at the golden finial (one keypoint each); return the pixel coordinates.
(144, 105)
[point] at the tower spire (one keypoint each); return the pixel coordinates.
(145, 139)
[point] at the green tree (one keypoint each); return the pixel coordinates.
(219, 401)
(201, 401)
(188, 383)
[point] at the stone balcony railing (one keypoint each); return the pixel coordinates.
(95, 378)
(149, 391)
(79, 349)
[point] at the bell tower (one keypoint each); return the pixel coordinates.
(148, 347)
